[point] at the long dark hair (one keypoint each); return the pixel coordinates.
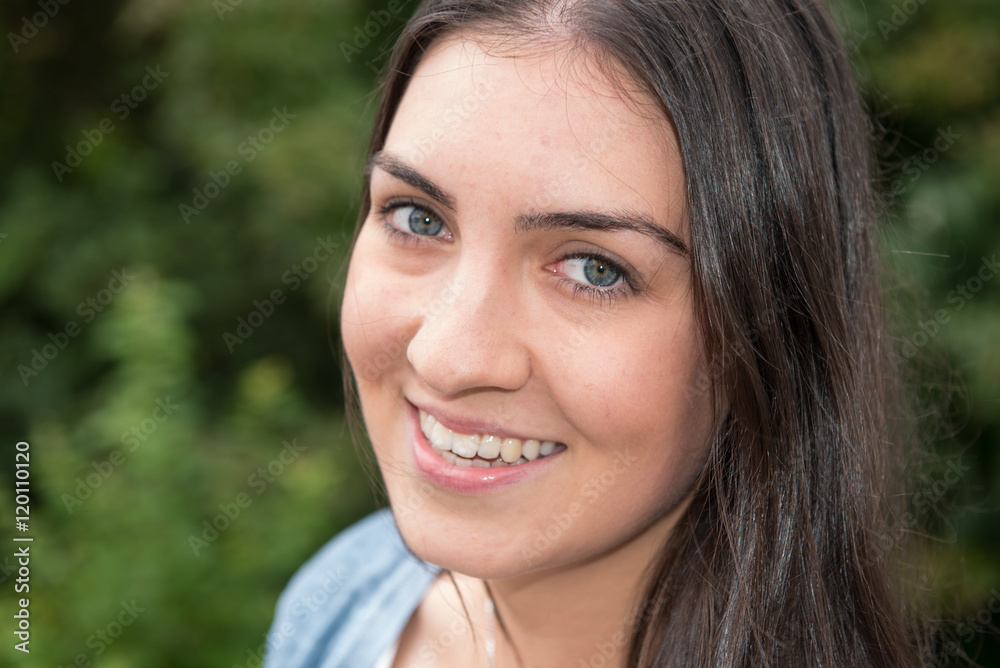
(779, 560)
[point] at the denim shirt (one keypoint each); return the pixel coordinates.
(348, 604)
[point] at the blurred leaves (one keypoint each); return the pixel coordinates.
(107, 533)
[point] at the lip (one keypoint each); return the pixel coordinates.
(467, 479)
(466, 426)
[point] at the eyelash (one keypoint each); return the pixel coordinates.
(599, 295)
(596, 295)
(396, 233)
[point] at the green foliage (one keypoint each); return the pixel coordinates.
(254, 115)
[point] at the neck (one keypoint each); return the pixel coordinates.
(569, 615)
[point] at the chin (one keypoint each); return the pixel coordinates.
(462, 541)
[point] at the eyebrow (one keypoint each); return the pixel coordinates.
(393, 165)
(626, 221)
(615, 221)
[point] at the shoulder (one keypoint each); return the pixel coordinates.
(352, 598)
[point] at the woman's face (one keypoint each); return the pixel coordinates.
(522, 274)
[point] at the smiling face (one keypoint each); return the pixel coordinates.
(523, 274)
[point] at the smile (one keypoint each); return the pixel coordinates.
(482, 450)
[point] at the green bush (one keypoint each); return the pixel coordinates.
(168, 301)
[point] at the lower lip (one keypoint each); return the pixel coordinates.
(466, 479)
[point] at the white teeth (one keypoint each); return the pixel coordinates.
(441, 437)
(464, 445)
(530, 449)
(481, 450)
(510, 451)
(489, 447)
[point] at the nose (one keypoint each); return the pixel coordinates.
(471, 335)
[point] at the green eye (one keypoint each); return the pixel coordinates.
(421, 221)
(412, 223)
(602, 280)
(600, 273)
(592, 270)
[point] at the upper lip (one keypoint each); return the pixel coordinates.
(467, 425)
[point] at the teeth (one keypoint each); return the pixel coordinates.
(489, 447)
(441, 437)
(530, 449)
(510, 451)
(465, 446)
(481, 450)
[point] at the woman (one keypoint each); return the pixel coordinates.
(613, 317)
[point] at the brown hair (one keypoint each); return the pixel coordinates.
(778, 561)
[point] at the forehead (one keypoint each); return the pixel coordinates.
(539, 127)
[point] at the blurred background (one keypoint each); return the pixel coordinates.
(178, 185)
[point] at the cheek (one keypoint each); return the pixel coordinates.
(632, 393)
(635, 378)
(373, 319)
(374, 332)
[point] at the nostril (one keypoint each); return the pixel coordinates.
(457, 354)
